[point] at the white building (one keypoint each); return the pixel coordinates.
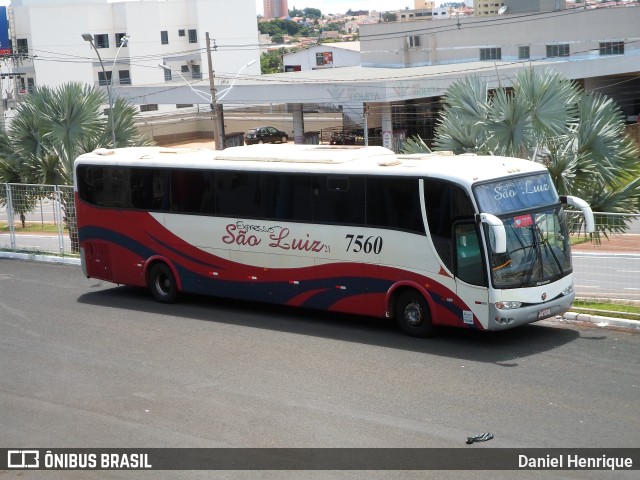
(325, 55)
(168, 32)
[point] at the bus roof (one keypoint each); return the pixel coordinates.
(465, 169)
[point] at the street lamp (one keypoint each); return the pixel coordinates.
(228, 89)
(213, 99)
(109, 81)
(200, 94)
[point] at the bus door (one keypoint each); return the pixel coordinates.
(470, 272)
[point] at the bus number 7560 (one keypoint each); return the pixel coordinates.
(358, 243)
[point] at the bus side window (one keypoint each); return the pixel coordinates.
(288, 197)
(394, 203)
(187, 187)
(117, 192)
(239, 194)
(445, 203)
(469, 265)
(208, 199)
(90, 183)
(339, 200)
(141, 187)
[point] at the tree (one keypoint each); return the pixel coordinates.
(579, 136)
(278, 27)
(312, 12)
(271, 62)
(54, 126)
(390, 17)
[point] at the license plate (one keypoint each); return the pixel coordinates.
(544, 313)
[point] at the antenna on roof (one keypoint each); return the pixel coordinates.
(502, 10)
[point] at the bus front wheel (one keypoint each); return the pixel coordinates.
(413, 314)
(162, 283)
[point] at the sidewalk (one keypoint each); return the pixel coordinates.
(627, 243)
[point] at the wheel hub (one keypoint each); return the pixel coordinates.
(414, 315)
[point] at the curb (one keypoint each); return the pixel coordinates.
(40, 258)
(603, 322)
(605, 254)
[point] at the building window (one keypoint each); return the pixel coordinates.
(149, 107)
(561, 50)
(102, 80)
(193, 36)
(181, 32)
(492, 53)
(524, 52)
(184, 105)
(31, 85)
(101, 40)
(22, 46)
(124, 77)
(195, 72)
(413, 41)
(119, 37)
(164, 37)
(184, 68)
(167, 75)
(612, 48)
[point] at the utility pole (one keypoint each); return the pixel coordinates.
(218, 116)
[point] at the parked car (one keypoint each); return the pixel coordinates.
(265, 135)
(342, 138)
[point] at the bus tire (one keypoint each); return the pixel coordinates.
(162, 283)
(413, 314)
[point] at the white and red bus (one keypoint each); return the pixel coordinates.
(433, 239)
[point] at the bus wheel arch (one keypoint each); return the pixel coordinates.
(412, 311)
(162, 281)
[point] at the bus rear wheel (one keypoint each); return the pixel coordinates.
(162, 283)
(413, 314)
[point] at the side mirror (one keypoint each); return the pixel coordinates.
(497, 227)
(587, 213)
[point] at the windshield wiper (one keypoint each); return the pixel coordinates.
(547, 245)
(535, 253)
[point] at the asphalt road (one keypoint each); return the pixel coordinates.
(89, 364)
(606, 275)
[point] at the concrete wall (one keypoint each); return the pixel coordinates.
(306, 58)
(443, 42)
(523, 6)
(201, 126)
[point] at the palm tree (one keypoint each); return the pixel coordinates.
(545, 118)
(54, 126)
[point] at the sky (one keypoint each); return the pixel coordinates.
(334, 6)
(341, 6)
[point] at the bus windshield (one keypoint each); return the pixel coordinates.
(538, 248)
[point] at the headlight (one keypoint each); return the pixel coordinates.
(568, 290)
(508, 305)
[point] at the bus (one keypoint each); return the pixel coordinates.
(479, 242)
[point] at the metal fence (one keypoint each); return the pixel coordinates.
(37, 219)
(608, 267)
(41, 219)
